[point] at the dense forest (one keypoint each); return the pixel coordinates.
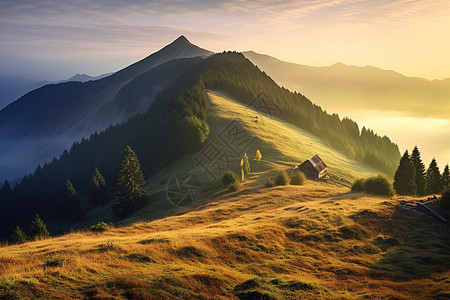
(177, 117)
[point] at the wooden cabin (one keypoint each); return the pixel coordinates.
(313, 167)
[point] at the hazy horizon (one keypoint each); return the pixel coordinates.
(50, 40)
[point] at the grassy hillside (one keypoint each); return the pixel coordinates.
(282, 142)
(313, 241)
(282, 145)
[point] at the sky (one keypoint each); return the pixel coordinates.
(55, 39)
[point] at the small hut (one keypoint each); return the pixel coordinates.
(313, 167)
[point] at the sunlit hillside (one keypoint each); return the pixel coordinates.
(312, 241)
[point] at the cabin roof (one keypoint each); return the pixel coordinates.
(317, 163)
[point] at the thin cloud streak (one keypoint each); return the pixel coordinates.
(290, 29)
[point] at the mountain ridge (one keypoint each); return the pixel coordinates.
(341, 88)
(52, 117)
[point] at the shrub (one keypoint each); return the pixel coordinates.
(282, 178)
(100, 227)
(235, 186)
(375, 185)
(445, 200)
(245, 164)
(378, 185)
(358, 185)
(298, 178)
(258, 155)
(229, 177)
(269, 183)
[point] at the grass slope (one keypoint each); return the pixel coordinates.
(282, 145)
(311, 241)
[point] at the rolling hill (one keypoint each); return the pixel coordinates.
(315, 241)
(189, 120)
(341, 88)
(44, 122)
(177, 124)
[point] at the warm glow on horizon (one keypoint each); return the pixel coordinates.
(98, 36)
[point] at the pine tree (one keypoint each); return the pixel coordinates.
(434, 179)
(130, 192)
(420, 171)
(258, 155)
(446, 178)
(38, 228)
(98, 193)
(6, 191)
(246, 164)
(19, 236)
(71, 203)
(404, 178)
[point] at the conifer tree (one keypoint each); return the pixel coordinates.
(446, 178)
(246, 164)
(71, 203)
(434, 179)
(98, 193)
(6, 191)
(404, 178)
(420, 171)
(19, 236)
(38, 228)
(130, 192)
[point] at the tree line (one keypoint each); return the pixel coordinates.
(411, 177)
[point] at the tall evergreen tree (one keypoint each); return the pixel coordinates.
(420, 171)
(98, 193)
(38, 228)
(404, 178)
(19, 236)
(434, 179)
(130, 192)
(446, 178)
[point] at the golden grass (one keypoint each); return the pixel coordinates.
(288, 241)
(285, 242)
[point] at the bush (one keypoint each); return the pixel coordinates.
(375, 185)
(445, 200)
(245, 164)
(235, 186)
(298, 178)
(270, 183)
(100, 227)
(282, 178)
(229, 177)
(378, 185)
(358, 185)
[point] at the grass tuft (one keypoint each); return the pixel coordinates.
(353, 232)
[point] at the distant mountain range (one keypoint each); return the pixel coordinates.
(44, 122)
(341, 88)
(12, 88)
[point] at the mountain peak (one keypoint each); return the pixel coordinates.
(181, 40)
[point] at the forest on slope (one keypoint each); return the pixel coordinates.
(175, 125)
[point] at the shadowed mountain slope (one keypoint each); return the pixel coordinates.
(45, 121)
